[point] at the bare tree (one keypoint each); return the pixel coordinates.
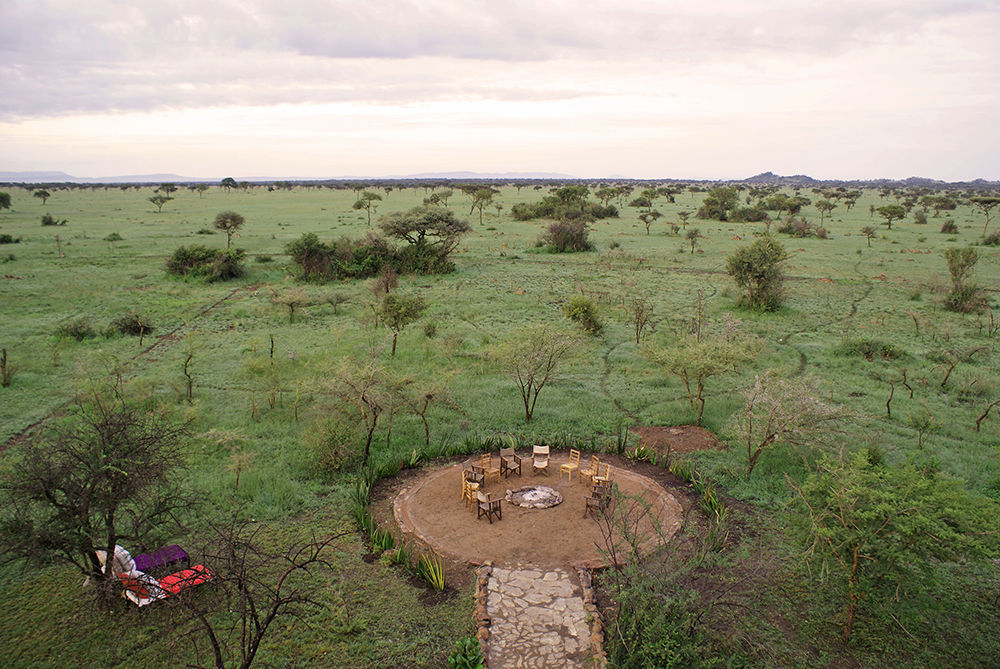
(258, 588)
(782, 411)
(533, 358)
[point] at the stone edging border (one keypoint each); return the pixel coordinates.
(482, 618)
(596, 623)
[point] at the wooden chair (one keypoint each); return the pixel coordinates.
(597, 501)
(571, 466)
(602, 479)
(469, 490)
(590, 471)
(540, 459)
(489, 506)
(488, 468)
(509, 461)
(472, 474)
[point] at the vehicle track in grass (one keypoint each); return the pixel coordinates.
(130, 368)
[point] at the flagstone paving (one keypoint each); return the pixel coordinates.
(538, 619)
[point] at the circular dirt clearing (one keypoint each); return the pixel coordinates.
(431, 509)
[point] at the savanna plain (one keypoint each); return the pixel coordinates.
(863, 533)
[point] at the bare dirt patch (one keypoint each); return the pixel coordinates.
(676, 439)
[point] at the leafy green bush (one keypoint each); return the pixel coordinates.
(77, 328)
(7, 239)
(870, 349)
(47, 220)
(113, 237)
(212, 264)
(949, 227)
(583, 310)
(467, 654)
(799, 227)
(566, 237)
(992, 239)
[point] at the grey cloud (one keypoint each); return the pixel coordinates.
(106, 55)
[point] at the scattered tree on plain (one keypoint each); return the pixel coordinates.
(397, 311)
(369, 202)
(891, 212)
(159, 201)
(985, 204)
(533, 359)
(783, 411)
(696, 361)
(229, 222)
(965, 295)
(757, 269)
(42, 195)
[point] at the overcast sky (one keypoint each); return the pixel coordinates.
(698, 89)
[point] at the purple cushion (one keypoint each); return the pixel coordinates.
(160, 558)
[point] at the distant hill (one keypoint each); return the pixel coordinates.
(764, 178)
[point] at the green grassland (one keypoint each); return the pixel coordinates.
(838, 290)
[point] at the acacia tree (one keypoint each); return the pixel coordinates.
(159, 201)
(397, 311)
(362, 392)
(695, 361)
(869, 231)
(872, 526)
(229, 222)
(533, 359)
(368, 201)
(433, 232)
(42, 195)
(824, 207)
(782, 411)
(103, 477)
(649, 217)
(5, 201)
(757, 269)
(891, 212)
(481, 197)
(985, 205)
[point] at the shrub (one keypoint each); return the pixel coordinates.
(870, 349)
(757, 269)
(77, 328)
(113, 237)
(919, 217)
(47, 219)
(213, 264)
(7, 239)
(949, 227)
(264, 258)
(566, 237)
(748, 215)
(965, 298)
(798, 227)
(131, 323)
(583, 310)
(431, 570)
(992, 239)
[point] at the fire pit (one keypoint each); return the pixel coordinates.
(534, 497)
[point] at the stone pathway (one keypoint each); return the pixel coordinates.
(538, 618)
